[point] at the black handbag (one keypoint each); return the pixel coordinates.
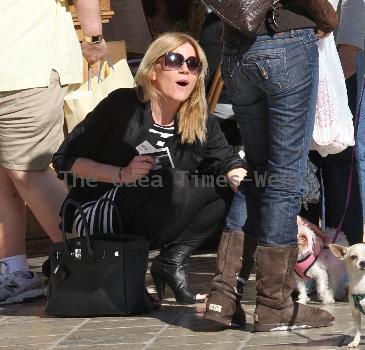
(99, 275)
(247, 16)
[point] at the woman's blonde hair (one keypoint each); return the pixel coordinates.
(193, 112)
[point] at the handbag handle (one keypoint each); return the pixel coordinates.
(90, 252)
(107, 59)
(119, 219)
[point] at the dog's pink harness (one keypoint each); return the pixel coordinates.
(303, 265)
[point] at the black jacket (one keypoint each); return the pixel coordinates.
(110, 133)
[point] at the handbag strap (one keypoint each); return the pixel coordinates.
(349, 181)
(69, 201)
(114, 206)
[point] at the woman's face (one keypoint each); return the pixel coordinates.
(176, 85)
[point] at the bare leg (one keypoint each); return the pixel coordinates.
(12, 218)
(44, 194)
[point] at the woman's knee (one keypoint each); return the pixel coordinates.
(26, 179)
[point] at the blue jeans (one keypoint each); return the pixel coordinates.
(237, 215)
(360, 71)
(272, 85)
(360, 150)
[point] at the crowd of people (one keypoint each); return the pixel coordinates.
(271, 84)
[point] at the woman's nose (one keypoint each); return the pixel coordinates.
(184, 68)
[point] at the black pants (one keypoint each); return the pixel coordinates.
(336, 169)
(171, 207)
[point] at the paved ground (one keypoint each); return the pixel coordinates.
(172, 327)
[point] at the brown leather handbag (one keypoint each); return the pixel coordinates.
(247, 16)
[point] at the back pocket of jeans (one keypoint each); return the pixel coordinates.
(269, 67)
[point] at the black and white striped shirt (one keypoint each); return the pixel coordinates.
(158, 134)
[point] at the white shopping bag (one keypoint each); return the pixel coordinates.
(333, 127)
(83, 100)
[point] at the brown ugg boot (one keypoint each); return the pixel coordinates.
(275, 310)
(234, 263)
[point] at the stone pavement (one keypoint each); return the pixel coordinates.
(25, 326)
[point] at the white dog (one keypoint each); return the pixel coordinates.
(354, 257)
(315, 261)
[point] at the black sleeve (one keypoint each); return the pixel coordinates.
(217, 152)
(86, 137)
(211, 42)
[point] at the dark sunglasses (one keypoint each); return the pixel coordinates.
(174, 61)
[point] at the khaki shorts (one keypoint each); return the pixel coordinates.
(31, 126)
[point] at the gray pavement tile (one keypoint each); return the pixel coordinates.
(123, 330)
(104, 347)
(199, 339)
(26, 321)
(111, 337)
(206, 346)
(25, 347)
(304, 346)
(43, 340)
(125, 322)
(12, 330)
(294, 338)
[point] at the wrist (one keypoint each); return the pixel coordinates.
(121, 175)
(94, 39)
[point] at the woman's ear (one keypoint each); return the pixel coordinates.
(153, 75)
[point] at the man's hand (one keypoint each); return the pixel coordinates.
(347, 55)
(94, 52)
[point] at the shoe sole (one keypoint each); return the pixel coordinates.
(25, 297)
(224, 322)
(285, 327)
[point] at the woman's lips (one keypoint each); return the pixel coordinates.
(182, 83)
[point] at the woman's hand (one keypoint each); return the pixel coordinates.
(321, 35)
(235, 176)
(137, 168)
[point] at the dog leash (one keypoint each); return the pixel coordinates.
(349, 182)
(323, 222)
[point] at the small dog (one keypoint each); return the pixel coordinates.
(315, 261)
(354, 257)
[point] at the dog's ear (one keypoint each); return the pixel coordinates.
(317, 244)
(338, 250)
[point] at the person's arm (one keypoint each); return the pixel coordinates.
(322, 13)
(350, 34)
(88, 13)
(89, 169)
(347, 54)
(221, 156)
(86, 138)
